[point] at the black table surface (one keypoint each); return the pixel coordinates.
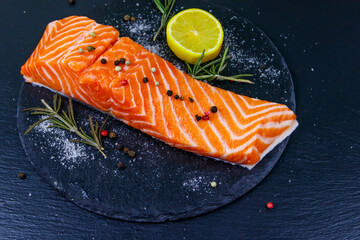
(315, 186)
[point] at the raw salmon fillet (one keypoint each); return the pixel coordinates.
(242, 130)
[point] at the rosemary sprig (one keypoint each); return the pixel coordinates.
(165, 10)
(211, 71)
(66, 120)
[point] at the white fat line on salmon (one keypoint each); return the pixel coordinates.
(254, 106)
(151, 103)
(47, 76)
(251, 141)
(204, 136)
(151, 132)
(246, 116)
(167, 86)
(161, 101)
(220, 117)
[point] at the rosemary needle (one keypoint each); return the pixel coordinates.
(165, 10)
(66, 120)
(211, 71)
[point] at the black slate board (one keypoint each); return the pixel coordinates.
(161, 183)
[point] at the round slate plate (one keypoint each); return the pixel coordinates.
(161, 183)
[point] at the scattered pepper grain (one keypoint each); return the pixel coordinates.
(127, 63)
(157, 83)
(145, 80)
(181, 97)
(122, 60)
(131, 154)
(126, 150)
(92, 34)
(119, 146)
(90, 48)
(153, 69)
(198, 118)
(213, 109)
(81, 50)
(191, 100)
(21, 175)
(118, 68)
(127, 17)
(133, 19)
(169, 93)
(112, 135)
(121, 165)
(213, 184)
(117, 62)
(176, 96)
(103, 61)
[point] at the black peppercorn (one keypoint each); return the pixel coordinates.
(117, 62)
(145, 79)
(198, 118)
(191, 100)
(181, 97)
(122, 60)
(169, 93)
(176, 96)
(121, 165)
(103, 61)
(214, 109)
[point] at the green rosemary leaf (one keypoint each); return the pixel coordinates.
(223, 59)
(165, 11)
(37, 123)
(189, 68)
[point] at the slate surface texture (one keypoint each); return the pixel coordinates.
(315, 186)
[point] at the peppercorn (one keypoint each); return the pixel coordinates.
(131, 154)
(124, 82)
(126, 150)
(117, 62)
(198, 118)
(132, 19)
(103, 61)
(127, 17)
(21, 175)
(122, 60)
(205, 117)
(119, 146)
(213, 184)
(118, 68)
(90, 48)
(213, 109)
(92, 34)
(112, 135)
(121, 165)
(181, 97)
(191, 100)
(157, 83)
(176, 96)
(81, 50)
(207, 113)
(104, 133)
(270, 205)
(169, 93)
(127, 63)
(145, 79)
(153, 69)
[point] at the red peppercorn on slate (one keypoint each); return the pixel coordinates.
(242, 130)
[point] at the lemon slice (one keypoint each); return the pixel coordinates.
(191, 31)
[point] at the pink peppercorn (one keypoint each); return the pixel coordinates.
(207, 113)
(206, 117)
(124, 82)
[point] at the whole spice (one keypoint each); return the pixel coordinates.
(21, 175)
(92, 34)
(127, 63)
(213, 184)
(122, 60)
(181, 97)
(103, 61)
(124, 82)
(207, 113)
(121, 165)
(169, 93)
(104, 133)
(198, 118)
(145, 80)
(90, 48)
(127, 17)
(165, 11)
(213, 109)
(112, 135)
(205, 117)
(81, 50)
(176, 96)
(270, 205)
(131, 154)
(153, 69)
(117, 62)
(157, 83)
(118, 68)
(119, 146)
(126, 150)
(66, 120)
(133, 19)
(191, 100)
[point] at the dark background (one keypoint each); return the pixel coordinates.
(315, 186)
